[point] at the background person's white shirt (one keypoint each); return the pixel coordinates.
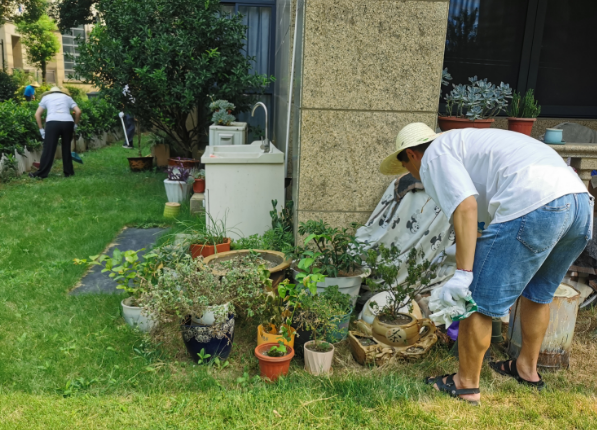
(58, 106)
(510, 174)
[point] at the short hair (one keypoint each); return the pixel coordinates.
(419, 148)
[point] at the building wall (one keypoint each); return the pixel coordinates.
(369, 68)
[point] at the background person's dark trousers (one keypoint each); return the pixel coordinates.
(55, 130)
(129, 122)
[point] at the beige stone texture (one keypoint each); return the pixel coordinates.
(544, 123)
(335, 219)
(197, 200)
(340, 156)
(374, 54)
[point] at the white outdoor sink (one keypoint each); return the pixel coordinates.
(242, 154)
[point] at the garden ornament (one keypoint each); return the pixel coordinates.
(414, 134)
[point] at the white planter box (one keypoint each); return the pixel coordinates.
(234, 134)
(176, 191)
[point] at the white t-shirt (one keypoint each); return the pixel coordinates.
(510, 174)
(58, 106)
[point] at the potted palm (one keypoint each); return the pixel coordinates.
(523, 112)
(177, 184)
(333, 253)
(199, 183)
(224, 130)
(474, 105)
(391, 326)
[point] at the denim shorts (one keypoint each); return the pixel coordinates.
(530, 255)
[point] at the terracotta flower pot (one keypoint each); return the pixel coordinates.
(263, 337)
(317, 363)
(521, 125)
(199, 185)
(452, 123)
(402, 334)
(273, 367)
(187, 163)
(203, 250)
(140, 164)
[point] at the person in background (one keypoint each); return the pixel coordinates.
(59, 124)
(129, 120)
(29, 92)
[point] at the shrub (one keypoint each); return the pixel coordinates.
(98, 115)
(8, 87)
(17, 127)
(77, 94)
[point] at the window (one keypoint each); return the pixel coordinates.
(259, 17)
(542, 44)
(70, 46)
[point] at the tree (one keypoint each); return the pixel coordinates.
(175, 56)
(72, 13)
(22, 10)
(41, 42)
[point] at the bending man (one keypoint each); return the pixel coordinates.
(538, 217)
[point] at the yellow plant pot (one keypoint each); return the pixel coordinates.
(263, 337)
(171, 210)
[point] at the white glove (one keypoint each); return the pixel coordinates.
(456, 288)
(76, 126)
(43, 133)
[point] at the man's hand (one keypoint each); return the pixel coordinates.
(76, 126)
(43, 133)
(456, 288)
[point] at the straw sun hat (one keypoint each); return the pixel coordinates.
(56, 90)
(413, 134)
(35, 84)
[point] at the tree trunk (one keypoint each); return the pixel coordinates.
(43, 71)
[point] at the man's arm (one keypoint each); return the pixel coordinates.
(38, 113)
(465, 227)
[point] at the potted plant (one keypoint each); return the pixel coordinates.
(160, 148)
(177, 184)
(224, 130)
(391, 326)
(129, 272)
(211, 239)
(523, 112)
(474, 105)
(333, 253)
(140, 163)
(206, 304)
(199, 184)
(188, 163)
(274, 359)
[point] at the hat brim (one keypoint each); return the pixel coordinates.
(54, 92)
(392, 166)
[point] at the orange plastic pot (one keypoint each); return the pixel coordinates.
(263, 337)
(453, 123)
(199, 185)
(201, 250)
(273, 367)
(521, 125)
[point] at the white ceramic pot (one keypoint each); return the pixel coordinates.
(208, 317)
(348, 285)
(317, 363)
(177, 191)
(135, 318)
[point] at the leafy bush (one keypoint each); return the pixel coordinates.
(77, 94)
(18, 127)
(8, 87)
(98, 115)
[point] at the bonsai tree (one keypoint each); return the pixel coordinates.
(41, 42)
(524, 107)
(174, 55)
(330, 251)
(385, 264)
(479, 100)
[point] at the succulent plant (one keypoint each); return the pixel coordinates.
(480, 100)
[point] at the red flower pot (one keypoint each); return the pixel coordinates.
(273, 367)
(203, 250)
(521, 125)
(187, 163)
(452, 123)
(199, 185)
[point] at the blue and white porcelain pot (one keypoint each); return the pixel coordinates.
(216, 340)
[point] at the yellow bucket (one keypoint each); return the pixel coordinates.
(263, 337)
(171, 210)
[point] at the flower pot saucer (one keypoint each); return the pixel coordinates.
(556, 143)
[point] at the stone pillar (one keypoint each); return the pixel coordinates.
(369, 68)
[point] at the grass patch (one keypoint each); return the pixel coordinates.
(71, 362)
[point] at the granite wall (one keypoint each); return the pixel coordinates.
(368, 69)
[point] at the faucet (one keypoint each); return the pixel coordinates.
(265, 145)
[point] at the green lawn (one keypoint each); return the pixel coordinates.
(71, 362)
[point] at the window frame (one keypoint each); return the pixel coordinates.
(75, 45)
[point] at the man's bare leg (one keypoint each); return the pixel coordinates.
(474, 337)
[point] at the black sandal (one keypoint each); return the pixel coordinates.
(509, 369)
(449, 387)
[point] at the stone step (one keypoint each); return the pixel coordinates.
(197, 203)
